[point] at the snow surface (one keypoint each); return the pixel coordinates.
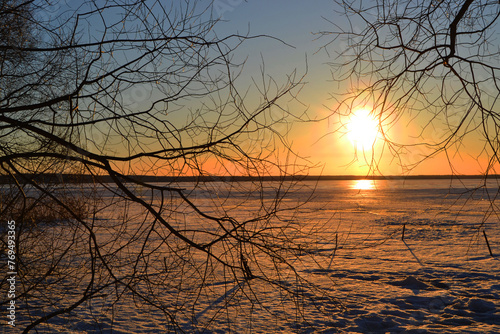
(439, 279)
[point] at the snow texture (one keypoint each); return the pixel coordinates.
(439, 279)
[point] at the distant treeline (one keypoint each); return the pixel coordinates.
(84, 178)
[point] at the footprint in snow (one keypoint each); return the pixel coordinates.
(412, 283)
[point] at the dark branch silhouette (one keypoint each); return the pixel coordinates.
(111, 95)
(429, 60)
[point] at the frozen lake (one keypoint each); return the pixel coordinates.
(331, 259)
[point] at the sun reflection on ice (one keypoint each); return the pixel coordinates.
(363, 184)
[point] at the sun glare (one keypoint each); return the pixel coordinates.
(363, 185)
(362, 129)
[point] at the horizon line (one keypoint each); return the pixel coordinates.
(86, 178)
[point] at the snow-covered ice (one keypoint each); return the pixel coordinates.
(439, 279)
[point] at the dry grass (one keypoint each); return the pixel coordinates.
(34, 210)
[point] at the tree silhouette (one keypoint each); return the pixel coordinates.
(98, 100)
(435, 60)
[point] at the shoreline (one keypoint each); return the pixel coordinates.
(85, 178)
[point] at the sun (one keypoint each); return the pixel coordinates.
(362, 129)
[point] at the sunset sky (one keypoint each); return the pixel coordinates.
(296, 22)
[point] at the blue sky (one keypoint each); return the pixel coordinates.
(295, 23)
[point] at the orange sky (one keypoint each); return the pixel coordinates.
(336, 153)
